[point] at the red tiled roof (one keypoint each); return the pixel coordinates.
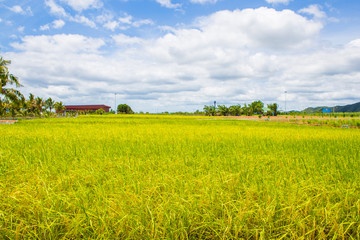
(86, 107)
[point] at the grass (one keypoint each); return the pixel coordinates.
(170, 177)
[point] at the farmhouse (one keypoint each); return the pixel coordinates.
(91, 108)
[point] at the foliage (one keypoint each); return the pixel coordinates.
(223, 110)
(49, 104)
(256, 107)
(209, 110)
(8, 79)
(100, 111)
(59, 107)
(273, 108)
(124, 109)
(235, 110)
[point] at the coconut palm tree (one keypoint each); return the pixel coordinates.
(49, 104)
(31, 104)
(8, 79)
(59, 107)
(39, 102)
(223, 110)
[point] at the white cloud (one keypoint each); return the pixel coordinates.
(17, 9)
(122, 39)
(123, 23)
(83, 20)
(21, 29)
(105, 17)
(168, 4)
(278, 1)
(142, 22)
(44, 27)
(59, 43)
(203, 1)
(263, 28)
(230, 56)
(60, 11)
(112, 25)
(55, 8)
(80, 5)
(314, 10)
(58, 24)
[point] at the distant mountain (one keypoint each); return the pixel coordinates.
(347, 108)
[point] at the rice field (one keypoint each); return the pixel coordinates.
(171, 177)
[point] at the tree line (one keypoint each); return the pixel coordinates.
(254, 108)
(13, 103)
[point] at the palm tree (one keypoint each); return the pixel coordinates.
(39, 102)
(31, 104)
(49, 104)
(223, 110)
(5, 79)
(209, 110)
(59, 107)
(235, 110)
(274, 108)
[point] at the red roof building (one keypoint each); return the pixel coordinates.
(75, 108)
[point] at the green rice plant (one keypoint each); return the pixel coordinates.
(177, 177)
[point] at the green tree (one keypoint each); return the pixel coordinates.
(100, 111)
(49, 104)
(59, 107)
(274, 108)
(247, 110)
(223, 110)
(256, 107)
(235, 110)
(209, 110)
(39, 103)
(124, 109)
(8, 79)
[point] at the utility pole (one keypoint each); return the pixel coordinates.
(285, 101)
(115, 105)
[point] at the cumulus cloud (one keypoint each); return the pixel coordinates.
(83, 20)
(278, 1)
(230, 56)
(124, 22)
(80, 5)
(55, 8)
(21, 29)
(314, 10)
(168, 4)
(262, 28)
(122, 39)
(59, 43)
(203, 1)
(17, 9)
(44, 27)
(58, 10)
(58, 24)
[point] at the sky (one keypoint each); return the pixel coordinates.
(172, 55)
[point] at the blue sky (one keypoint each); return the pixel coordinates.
(170, 55)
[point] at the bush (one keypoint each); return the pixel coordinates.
(124, 109)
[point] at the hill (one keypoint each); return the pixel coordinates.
(347, 108)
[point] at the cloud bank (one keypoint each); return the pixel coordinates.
(230, 56)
